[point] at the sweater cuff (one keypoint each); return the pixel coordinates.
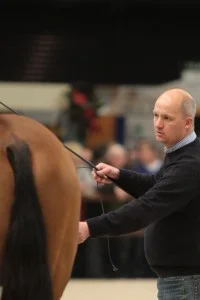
(123, 175)
(96, 226)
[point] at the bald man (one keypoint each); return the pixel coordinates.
(168, 203)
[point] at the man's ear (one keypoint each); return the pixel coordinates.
(188, 122)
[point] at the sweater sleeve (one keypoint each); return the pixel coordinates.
(171, 193)
(134, 183)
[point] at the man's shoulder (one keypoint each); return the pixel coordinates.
(187, 163)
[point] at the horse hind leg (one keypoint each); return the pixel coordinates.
(60, 198)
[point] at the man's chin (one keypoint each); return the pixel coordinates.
(159, 139)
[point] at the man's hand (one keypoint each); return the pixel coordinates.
(83, 233)
(105, 170)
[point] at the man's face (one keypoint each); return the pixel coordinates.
(169, 122)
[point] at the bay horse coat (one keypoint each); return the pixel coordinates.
(40, 201)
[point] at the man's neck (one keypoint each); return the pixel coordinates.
(186, 140)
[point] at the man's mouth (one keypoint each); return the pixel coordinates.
(159, 133)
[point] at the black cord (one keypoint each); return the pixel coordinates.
(103, 211)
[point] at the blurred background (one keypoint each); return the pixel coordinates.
(90, 71)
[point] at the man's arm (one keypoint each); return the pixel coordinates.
(134, 183)
(174, 191)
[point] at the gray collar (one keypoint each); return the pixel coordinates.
(187, 140)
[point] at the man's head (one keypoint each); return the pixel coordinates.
(174, 114)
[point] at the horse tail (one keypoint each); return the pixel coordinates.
(25, 269)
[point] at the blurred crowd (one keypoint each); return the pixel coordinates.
(127, 252)
(76, 120)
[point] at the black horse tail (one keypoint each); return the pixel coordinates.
(25, 269)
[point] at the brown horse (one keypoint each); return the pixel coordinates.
(39, 211)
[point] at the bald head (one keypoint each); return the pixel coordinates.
(182, 100)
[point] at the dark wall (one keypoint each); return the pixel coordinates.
(98, 41)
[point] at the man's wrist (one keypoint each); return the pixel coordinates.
(118, 173)
(87, 230)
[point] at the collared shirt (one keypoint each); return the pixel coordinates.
(187, 140)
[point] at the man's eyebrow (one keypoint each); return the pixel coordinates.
(163, 114)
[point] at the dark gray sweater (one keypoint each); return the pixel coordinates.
(168, 207)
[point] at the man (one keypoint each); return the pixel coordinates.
(168, 203)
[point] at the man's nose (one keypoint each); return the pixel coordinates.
(159, 123)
